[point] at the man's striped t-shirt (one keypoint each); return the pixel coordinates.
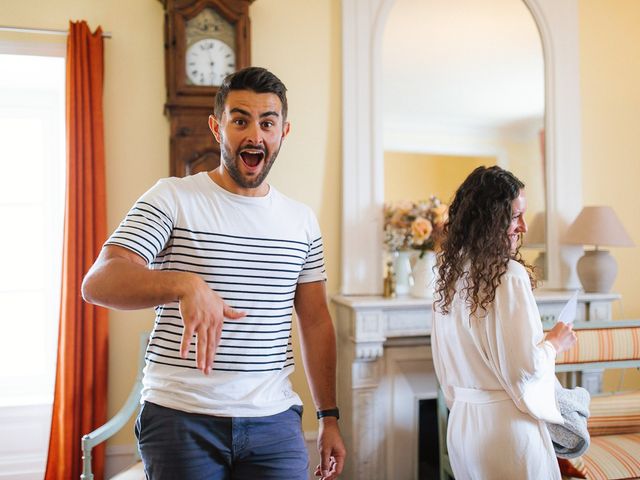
(253, 251)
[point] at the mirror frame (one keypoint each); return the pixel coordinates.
(363, 23)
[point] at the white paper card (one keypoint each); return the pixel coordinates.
(568, 313)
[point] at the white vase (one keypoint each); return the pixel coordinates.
(424, 275)
(402, 270)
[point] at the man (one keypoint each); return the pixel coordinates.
(224, 258)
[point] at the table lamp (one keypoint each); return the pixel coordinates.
(598, 226)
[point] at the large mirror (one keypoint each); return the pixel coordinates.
(463, 86)
(363, 27)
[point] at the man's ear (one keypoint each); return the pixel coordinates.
(285, 129)
(214, 126)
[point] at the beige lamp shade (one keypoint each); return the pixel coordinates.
(597, 269)
(598, 226)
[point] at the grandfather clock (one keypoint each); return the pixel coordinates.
(204, 41)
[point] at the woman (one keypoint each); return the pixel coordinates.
(494, 364)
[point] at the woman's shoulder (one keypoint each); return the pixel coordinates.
(517, 270)
(515, 279)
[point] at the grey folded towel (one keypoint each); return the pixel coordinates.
(571, 439)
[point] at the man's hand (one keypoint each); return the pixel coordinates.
(120, 279)
(331, 448)
(203, 312)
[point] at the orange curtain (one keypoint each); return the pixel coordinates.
(80, 399)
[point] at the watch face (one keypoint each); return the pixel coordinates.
(208, 61)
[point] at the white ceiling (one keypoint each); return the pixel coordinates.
(462, 66)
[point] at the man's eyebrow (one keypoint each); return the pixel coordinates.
(270, 113)
(240, 111)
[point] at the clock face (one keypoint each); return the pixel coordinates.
(208, 61)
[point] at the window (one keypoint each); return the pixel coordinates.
(32, 182)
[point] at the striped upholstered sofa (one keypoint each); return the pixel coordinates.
(614, 424)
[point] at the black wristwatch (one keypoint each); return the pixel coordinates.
(332, 412)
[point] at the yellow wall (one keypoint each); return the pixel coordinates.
(284, 33)
(610, 75)
(417, 176)
(413, 176)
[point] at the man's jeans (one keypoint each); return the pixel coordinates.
(176, 445)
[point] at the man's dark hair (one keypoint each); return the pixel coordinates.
(256, 79)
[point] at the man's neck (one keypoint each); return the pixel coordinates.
(222, 178)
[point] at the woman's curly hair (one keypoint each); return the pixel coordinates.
(476, 248)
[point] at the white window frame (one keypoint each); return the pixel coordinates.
(25, 424)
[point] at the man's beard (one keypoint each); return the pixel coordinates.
(230, 162)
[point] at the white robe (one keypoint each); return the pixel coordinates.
(497, 376)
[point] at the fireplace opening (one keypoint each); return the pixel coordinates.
(428, 458)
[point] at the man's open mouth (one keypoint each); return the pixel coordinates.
(252, 157)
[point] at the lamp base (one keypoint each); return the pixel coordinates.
(597, 270)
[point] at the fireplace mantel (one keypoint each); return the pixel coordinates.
(385, 368)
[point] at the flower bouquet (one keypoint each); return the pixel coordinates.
(414, 225)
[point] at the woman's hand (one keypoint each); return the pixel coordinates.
(562, 337)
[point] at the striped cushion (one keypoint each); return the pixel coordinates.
(614, 414)
(613, 457)
(603, 345)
